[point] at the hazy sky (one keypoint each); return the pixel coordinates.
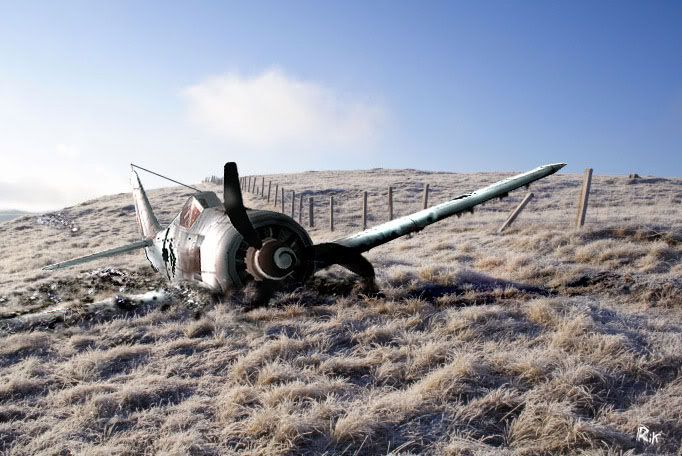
(181, 87)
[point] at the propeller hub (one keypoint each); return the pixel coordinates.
(284, 258)
(273, 261)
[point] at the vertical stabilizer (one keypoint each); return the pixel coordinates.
(146, 219)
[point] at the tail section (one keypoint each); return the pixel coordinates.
(146, 219)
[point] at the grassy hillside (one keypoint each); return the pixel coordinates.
(543, 340)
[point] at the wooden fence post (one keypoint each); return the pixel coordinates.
(300, 208)
(276, 194)
(282, 200)
(311, 216)
(269, 189)
(262, 186)
(515, 213)
(293, 202)
(390, 203)
(426, 196)
(364, 210)
(584, 196)
(331, 213)
(248, 185)
(255, 178)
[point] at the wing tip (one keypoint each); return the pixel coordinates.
(556, 166)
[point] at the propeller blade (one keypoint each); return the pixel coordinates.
(234, 206)
(330, 253)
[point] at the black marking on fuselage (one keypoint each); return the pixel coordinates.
(173, 258)
(164, 252)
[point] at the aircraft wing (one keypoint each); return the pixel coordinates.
(103, 254)
(386, 232)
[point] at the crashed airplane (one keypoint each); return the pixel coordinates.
(225, 245)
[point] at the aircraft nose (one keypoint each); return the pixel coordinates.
(274, 261)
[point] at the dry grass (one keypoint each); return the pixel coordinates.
(544, 340)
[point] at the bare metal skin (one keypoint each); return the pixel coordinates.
(223, 245)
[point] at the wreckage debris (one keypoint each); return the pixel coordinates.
(74, 313)
(58, 220)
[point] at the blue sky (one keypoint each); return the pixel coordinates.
(88, 87)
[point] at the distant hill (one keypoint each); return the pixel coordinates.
(6, 215)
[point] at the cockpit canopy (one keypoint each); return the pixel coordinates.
(195, 205)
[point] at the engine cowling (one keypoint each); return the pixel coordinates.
(285, 254)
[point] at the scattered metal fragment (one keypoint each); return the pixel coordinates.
(59, 220)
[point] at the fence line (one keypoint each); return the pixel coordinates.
(390, 203)
(249, 184)
(426, 196)
(311, 216)
(364, 210)
(600, 205)
(515, 213)
(300, 209)
(331, 213)
(584, 196)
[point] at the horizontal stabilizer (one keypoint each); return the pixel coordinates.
(95, 256)
(386, 232)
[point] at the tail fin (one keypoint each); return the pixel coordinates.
(146, 219)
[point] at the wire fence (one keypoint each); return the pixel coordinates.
(558, 201)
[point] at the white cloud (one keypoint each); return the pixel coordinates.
(37, 196)
(55, 152)
(273, 109)
(49, 183)
(45, 196)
